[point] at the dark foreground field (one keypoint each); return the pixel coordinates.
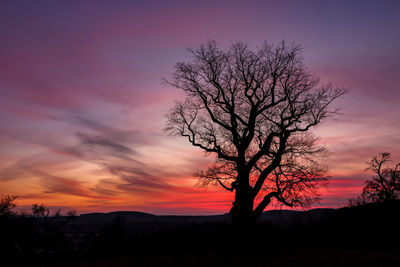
(358, 236)
(272, 257)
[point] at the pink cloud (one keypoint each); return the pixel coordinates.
(81, 86)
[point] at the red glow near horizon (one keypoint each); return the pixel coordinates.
(83, 109)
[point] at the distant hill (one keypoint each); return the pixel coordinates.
(102, 218)
(135, 217)
(289, 218)
(371, 227)
(281, 218)
(361, 217)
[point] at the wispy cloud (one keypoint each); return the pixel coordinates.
(82, 106)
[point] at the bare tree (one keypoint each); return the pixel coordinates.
(40, 211)
(253, 110)
(7, 205)
(385, 185)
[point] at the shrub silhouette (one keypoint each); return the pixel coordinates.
(7, 205)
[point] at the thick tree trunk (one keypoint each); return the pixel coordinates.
(242, 220)
(242, 210)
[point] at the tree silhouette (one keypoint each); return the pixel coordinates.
(7, 205)
(253, 109)
(40, 211)
(385, 185)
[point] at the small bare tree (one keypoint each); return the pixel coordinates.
(385, 185)
(253, 110)
(7, 205)
(40, 211)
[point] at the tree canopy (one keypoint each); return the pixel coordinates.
(253, 109)
(385, 184)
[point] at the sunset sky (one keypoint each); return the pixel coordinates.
(82, 105)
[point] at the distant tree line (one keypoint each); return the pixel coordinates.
(31, 233)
